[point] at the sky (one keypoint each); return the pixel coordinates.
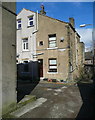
(82, 12)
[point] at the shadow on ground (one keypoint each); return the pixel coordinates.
(24, 87)
(87, 92)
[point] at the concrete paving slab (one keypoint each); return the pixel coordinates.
(28, 107)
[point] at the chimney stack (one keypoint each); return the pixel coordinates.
(72, 22)
(42, 12)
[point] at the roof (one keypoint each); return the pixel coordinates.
(25, 9)
(44, 15)
(53, 19)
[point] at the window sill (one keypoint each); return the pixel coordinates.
(25, 50)
(30, 26)
(52, 72)
(19, 29)
(52, 48)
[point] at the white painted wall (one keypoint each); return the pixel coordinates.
(26, 32)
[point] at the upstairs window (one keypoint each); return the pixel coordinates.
(19, 24)
(53, 65)
(25, 44)
(52, 41)
(30, 21)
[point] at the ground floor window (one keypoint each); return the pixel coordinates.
(25, 44)
(52, 65)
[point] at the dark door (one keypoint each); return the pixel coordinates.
(41, 67)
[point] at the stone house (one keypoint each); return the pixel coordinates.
(55, 44)
(89, 58)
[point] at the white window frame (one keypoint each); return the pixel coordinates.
(52, 65)
(26, 44)
(19, 24)
(30, 21)
(52, 40)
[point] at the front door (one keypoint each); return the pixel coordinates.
(41, 67)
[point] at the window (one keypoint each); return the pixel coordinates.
(53, 65)
(40, 43)
(25, 44)
(19, 24)
(52, 40)
(30, 21)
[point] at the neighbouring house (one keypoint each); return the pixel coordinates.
(26, 45)
(89, 65)
(89, 58)
(26, 36)
(55, 44)
(8, 95)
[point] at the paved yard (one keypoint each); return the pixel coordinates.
(62, 101)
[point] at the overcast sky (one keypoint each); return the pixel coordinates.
(81, 11)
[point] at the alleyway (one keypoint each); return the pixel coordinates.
(75, 101)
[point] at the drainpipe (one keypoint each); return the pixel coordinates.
(37, 21)
(34, 41)
(36, 30)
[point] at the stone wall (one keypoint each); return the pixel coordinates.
(49, 26)
(8, 57)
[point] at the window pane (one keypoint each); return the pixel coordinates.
(19, 21)
(53, 67)
(31, 18)
(53, 62)
(52, 38)
(53, 35)
(26, 45)
(41, 43)
(19, 25)
(53, 70)
(31, 22)
(52, 44)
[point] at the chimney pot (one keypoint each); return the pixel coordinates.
(42, 11)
